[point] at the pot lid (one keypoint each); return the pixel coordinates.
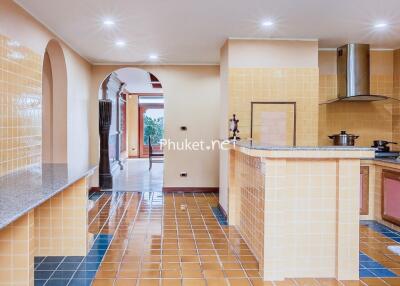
(344, 134)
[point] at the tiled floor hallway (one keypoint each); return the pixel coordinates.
(146, 239)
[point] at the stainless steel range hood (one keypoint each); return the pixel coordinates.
(353, 74)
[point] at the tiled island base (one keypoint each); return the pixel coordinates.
(58, 227)
(298, 210)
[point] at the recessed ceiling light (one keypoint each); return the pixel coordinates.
(267, 23)
(153, 57)
(120, 43)
(380, 25)
(108, 22)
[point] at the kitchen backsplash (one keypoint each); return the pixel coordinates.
(298, 85)
(369, 120)
(20, 106)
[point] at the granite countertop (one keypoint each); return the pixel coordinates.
(256, 146)
(24, 190)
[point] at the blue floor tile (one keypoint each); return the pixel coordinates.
(42, 274)
(88, 274)
(383, 273)
(68, 266)
(38, 259)
(88, 266)
(60, 274)
(372, 264)
(53, 259)
(364, 273)
(96, 258)
(80, 282)
(97, 252)
(57, 282)
(47, 266)
(73, 259)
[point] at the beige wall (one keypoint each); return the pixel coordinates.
(369, 120)
(269, 71)
(191, 99)
(396, 94)
(132, 125)
(18, 25)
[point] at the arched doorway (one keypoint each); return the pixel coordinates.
(137, 118)
(54, 105)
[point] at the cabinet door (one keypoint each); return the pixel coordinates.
(391, 196)
(364, 190)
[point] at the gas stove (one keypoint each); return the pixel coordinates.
(386, 154)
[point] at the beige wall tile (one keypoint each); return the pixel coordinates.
(20, 106)
(61, 223)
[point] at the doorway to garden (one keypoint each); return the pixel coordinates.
(135, 131)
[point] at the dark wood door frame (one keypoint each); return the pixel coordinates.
(143, 151)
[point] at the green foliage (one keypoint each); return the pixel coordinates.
(153, 127)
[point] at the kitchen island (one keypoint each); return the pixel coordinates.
(298, 208)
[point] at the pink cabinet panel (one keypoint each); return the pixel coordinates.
(391, 196)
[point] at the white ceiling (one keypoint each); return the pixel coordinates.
(192, 31)
(137, 80)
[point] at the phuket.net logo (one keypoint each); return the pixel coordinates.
(186, 145)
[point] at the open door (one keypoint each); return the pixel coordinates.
(151, 123)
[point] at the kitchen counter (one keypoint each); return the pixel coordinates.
(297, 208)
(24, 190)
(258, 150)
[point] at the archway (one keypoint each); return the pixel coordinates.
(54, 105)
(137, 115)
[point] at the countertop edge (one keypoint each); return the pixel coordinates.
(38, 203)
(300, 148)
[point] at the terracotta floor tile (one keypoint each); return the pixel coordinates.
(217, 282)
(213, 274)
(171, 274)
(125, 282)
(101, 274)
(306, 282)
(392, 281)
(328, 282)
(352, 283)
(374, 282)
(171, 282)
(239, 282)
(148, 282)
(193, 282)
(128, 274)
(187, 274)
(103, 282)
(235, 273)
(287, 282)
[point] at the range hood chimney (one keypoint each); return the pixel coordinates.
(353, 74)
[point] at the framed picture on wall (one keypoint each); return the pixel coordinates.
(273, 123)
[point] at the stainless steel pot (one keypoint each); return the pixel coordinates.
(343, 139)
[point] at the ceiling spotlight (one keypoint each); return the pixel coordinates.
(380, 25)
(120, 43)
(153, 57)
(108, 22)
(267, 23)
